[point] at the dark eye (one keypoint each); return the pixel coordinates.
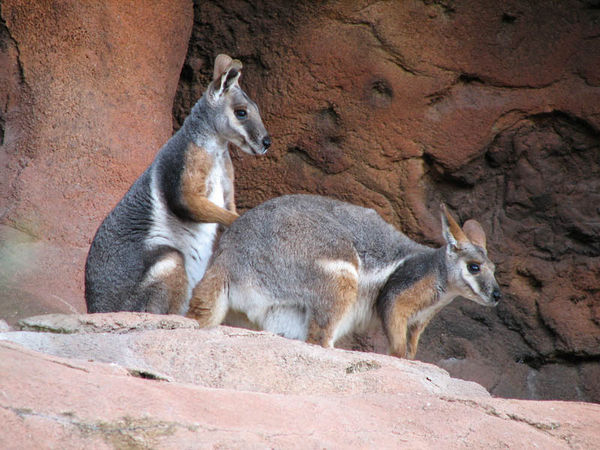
(473, 268)
(241, 113)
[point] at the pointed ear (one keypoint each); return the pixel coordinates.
(226, 74)
(222, 62)
(453, 235)
(475, 233)
(232, 76)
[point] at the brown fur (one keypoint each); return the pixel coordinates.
(414, 333)
(475, 233)
(198, 164)
(454, 227)
(203, 304)
(222, 63)
(406, 304)
(340, 294)
(174, 282)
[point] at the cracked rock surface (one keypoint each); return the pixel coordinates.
(129, 380)
(491, 107)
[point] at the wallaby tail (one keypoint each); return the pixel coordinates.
(209, 302)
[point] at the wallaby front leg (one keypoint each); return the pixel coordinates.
(396, 333)
(229, 193)
(204, 210)
(395, 322)
(414, 333)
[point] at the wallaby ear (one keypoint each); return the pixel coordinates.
(475, 233)
(226, 73)
(452, 232)
(222, 62)
(232, 76)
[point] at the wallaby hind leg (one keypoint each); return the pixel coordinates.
(165, 284)
(208, 304)
(326, 324)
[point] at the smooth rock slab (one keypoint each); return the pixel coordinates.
(104, 322)
(233, 388)
(54, 402)
(173, 348)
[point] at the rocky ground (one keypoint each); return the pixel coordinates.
(492, 107)
(139, 381)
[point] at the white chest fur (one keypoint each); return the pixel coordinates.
(194, 240)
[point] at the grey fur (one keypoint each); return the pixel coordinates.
(152, 224)
(279, 259)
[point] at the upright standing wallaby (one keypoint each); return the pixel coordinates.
(315, 269)
(154, 246)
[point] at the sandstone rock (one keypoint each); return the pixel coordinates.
(85, 103)
(233, 388)
(173, 347)
(489, 106)
(104, 323)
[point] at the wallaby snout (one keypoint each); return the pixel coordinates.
(496, 295)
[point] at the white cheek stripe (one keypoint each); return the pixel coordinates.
(468, 278)
(235, 125)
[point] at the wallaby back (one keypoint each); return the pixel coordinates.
(154, 246)
(313, 268)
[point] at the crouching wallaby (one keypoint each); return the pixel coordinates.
(315, 269)
(154, 246)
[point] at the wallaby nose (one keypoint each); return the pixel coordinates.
(266, 142)
(496, 295)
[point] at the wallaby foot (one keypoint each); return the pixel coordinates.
(165, 284)
(208, 304)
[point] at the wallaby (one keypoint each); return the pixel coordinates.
(154, 246)
(315, 269)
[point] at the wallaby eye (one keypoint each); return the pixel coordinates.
(241, 113)
(473, 267)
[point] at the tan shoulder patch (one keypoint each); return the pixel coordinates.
(195, 171)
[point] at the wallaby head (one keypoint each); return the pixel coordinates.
(470, 272)
(236, 117)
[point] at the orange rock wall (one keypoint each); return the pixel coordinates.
(86, 102)
(492, 107)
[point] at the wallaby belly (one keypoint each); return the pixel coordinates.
(266, 312)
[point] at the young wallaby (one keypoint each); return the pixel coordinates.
(154, 246)
(313, 268)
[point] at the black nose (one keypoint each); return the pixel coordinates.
(266, 142)
(496, 295)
